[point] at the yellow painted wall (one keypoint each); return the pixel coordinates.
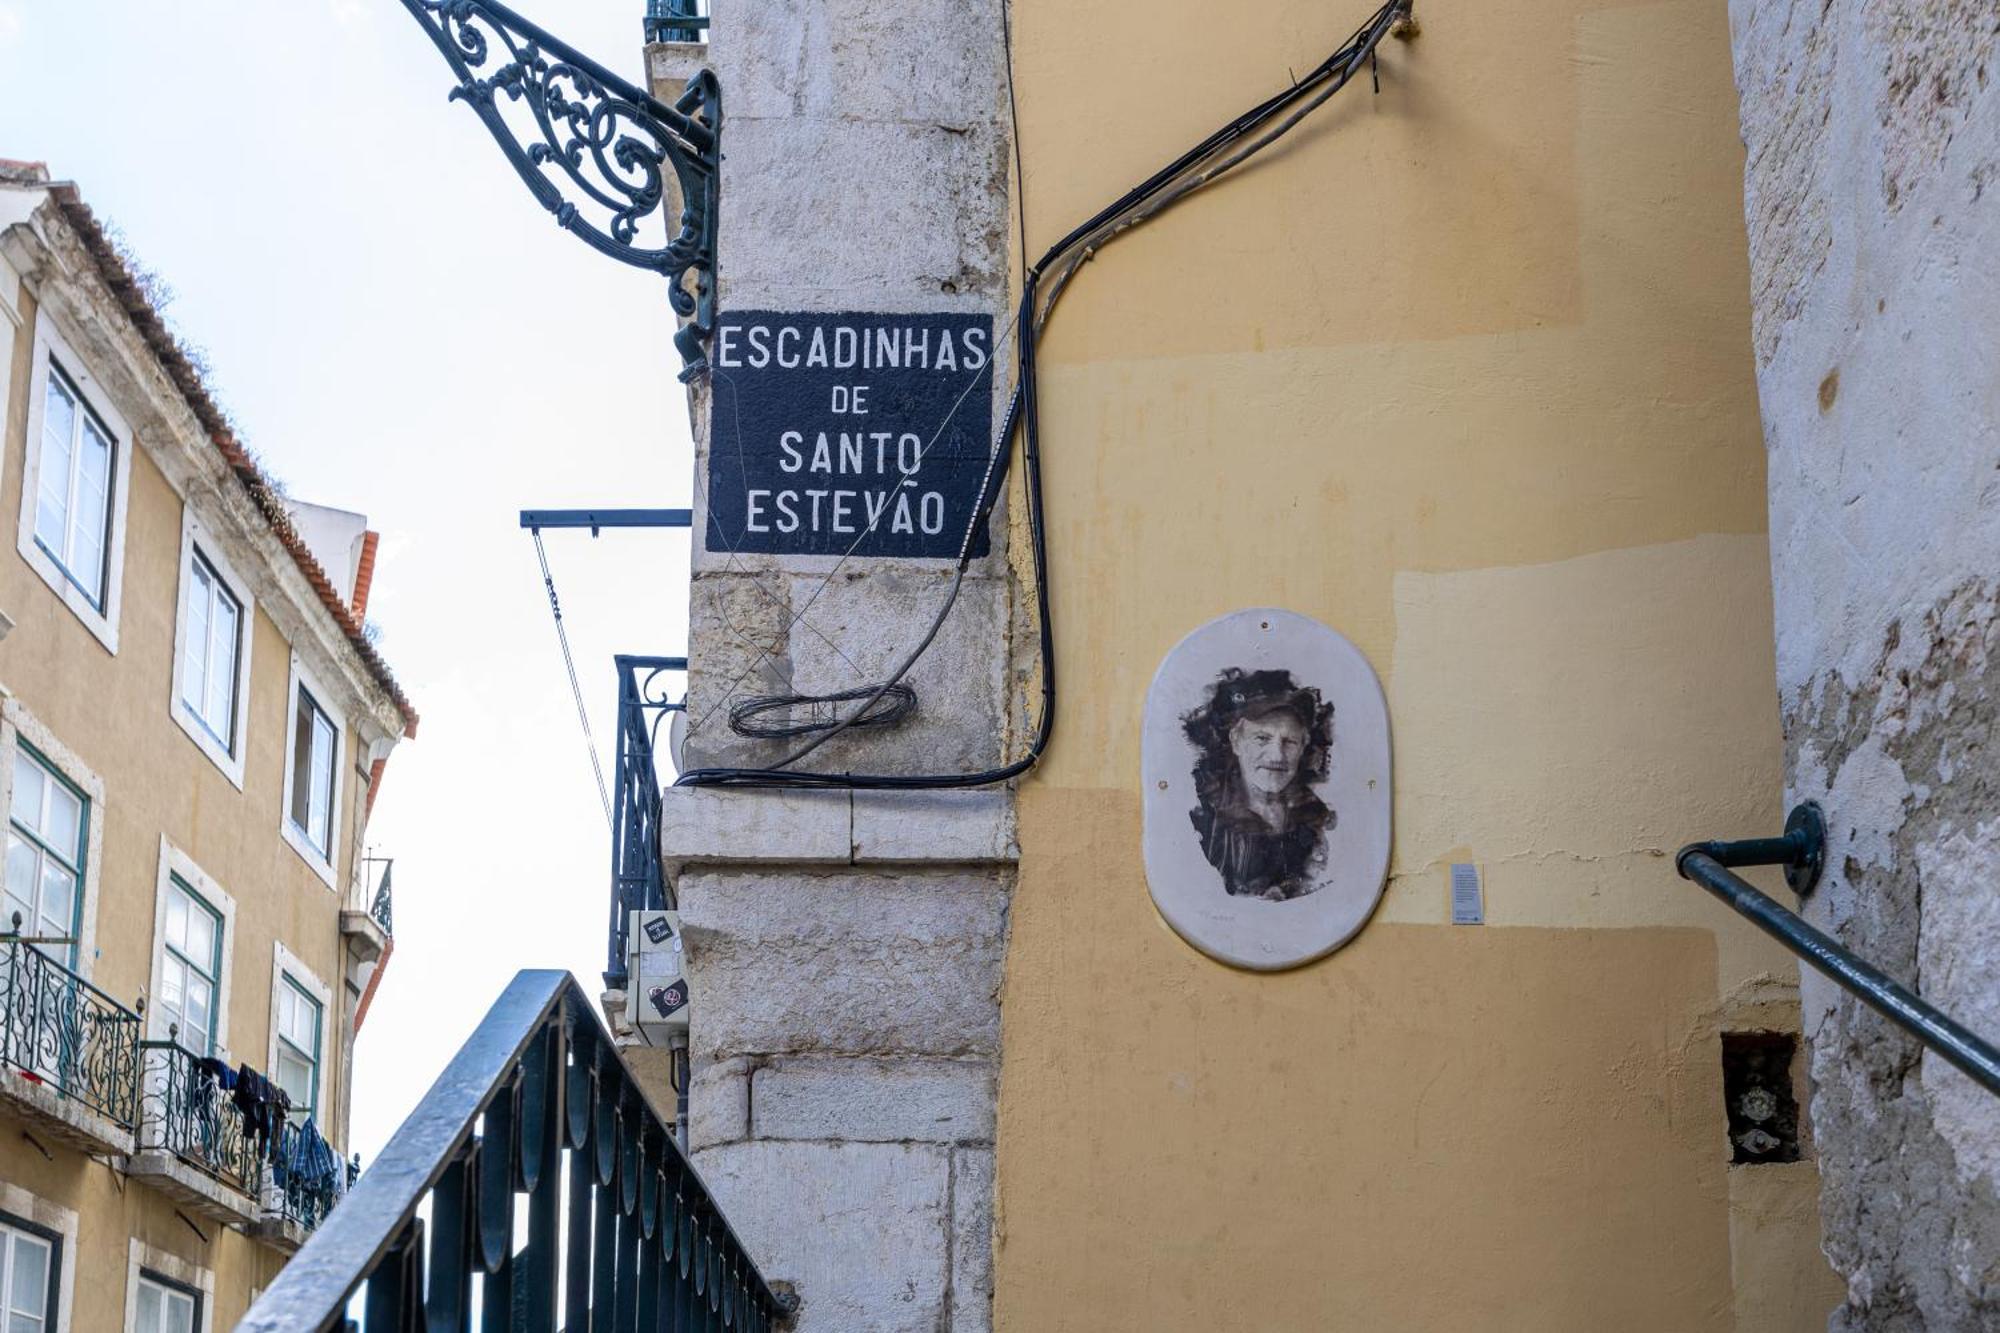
(113, 713)
(1462, 370)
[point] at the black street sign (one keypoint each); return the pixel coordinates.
(838, 434)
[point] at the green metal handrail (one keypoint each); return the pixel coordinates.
(537, 1111)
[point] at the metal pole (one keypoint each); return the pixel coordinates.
(1977, 1057)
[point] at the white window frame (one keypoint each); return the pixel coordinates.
(168, 1265)
(227, 757)
(325, 866)
(50, 345)
(175, 863)
(286, 964)
(18, 724)
(50, 1217)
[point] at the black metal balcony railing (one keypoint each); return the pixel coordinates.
(187, 1113)
(58, 1029)
(307, 1189)
(637, 881)
(676, 21)
(382, 909)
(620, 1232)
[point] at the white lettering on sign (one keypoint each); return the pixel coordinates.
(912, 347)
(849, 434)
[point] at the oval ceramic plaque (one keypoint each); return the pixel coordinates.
(1265, 755)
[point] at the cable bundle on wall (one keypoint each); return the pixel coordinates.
(1042, 287)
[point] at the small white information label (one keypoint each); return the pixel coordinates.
(1468, 905)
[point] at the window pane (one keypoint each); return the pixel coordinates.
(200, 948)
(62, 827)
(23, 876)
(31, 1276)
(178, 910)
(180, 1313)
(58, 436)
(200, 1015)
(148, 1320)
(93, 505)
(173, 990)
(58, 900)
(295, 1077)
(194, 678)
(322, 787)
(220, 709)
(28, 780)
(302, 747)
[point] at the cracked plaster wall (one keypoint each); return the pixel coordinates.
(1873, 139)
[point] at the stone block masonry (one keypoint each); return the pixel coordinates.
(1872, 133)
(844, 951)
(846, 1039)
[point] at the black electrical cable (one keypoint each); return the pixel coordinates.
(746, 716)
(1023, 414)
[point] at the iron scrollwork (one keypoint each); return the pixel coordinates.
(600, 150)
(63, 1032)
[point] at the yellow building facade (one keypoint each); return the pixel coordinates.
(1462, 370)
(191, 724)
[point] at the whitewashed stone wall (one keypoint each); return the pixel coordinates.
(1873, 202)
(846, 1040)
(845, 950)
(866, 150)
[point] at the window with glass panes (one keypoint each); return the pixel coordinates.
(47, 831)
(165, 1307)
(212, 643)
(297, 1071)
(30, 1262)
(73, 498)
(191, 968)
(313, 744)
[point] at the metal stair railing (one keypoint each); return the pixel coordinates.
(536, 1110)
(1802, 852)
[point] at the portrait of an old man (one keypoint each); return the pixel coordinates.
(1263, 740)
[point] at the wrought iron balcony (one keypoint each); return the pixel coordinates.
(309, 1179)
(69, 1046)
(638, 881)
(676, 21)
(192, 1138)
(619, 1231)
(380, 908)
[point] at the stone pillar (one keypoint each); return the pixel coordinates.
(844, 952)
(1873, 204)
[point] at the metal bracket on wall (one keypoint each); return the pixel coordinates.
(1802, 851)
(594, 149)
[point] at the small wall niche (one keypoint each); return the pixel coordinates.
(1757, 1094)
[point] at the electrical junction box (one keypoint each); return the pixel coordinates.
(656, 989)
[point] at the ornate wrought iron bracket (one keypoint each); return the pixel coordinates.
(599, 148)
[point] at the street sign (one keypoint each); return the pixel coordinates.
(848, 434)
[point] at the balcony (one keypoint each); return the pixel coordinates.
(638, 879)
(366, 922)
(194, 1145)
(304, 1183)
(70, 1052)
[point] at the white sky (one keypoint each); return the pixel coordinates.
(399, 329)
